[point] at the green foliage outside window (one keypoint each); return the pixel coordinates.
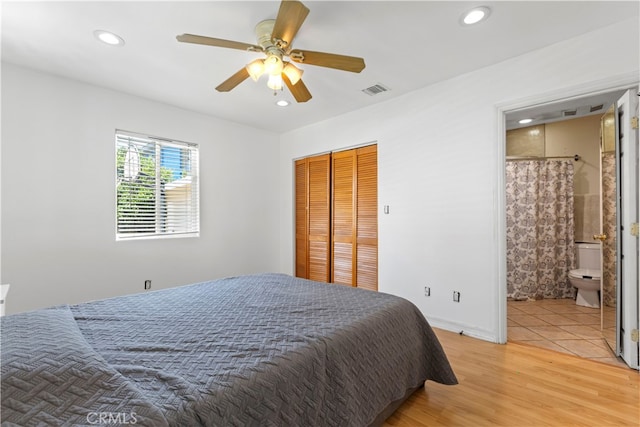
(136, 196)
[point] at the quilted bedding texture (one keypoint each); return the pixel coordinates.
(268, 350)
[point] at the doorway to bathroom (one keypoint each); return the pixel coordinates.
(553, 204)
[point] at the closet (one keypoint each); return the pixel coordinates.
(336, 217)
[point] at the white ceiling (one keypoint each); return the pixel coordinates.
(406, 46)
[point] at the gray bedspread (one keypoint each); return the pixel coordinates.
(268, 350)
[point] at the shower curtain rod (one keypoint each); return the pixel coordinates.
(575, 157)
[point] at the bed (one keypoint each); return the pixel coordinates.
(266, 349)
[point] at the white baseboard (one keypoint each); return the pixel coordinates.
(463, 329)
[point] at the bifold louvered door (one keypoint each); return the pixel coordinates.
(366, 231)
(355, 220)
(313, 210)
(352, 254)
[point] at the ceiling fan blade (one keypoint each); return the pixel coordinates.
(290, 17)
(298, 90)
(329, 60)
(233, 81)
(210, 41)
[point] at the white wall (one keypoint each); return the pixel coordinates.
(440, 169)
(440, 166)
(58, 194)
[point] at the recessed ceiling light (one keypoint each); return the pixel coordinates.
(525, 121)
(282, 103)
(109, 38)
(475, 15)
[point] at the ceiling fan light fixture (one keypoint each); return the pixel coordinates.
(292, 72)
(255, 69)
(275, 82)
(273, 64)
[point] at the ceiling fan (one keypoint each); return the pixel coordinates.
(275, 37)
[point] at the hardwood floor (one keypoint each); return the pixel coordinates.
(521, 385)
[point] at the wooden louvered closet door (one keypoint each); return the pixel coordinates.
(366, 218)
(343, 224)
(313, 203)
(336, 217)
(355, 219)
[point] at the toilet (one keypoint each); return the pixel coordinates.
(586, 278)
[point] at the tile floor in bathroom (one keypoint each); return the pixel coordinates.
(561, 325)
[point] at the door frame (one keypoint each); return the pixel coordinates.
(618, 83)
(628, 319)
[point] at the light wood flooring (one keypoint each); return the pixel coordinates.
(521, 385)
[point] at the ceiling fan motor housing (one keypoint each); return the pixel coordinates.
(263, 30)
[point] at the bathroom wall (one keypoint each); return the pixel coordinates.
(575, 136)
(580, 136)
(526, 142)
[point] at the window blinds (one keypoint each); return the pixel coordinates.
(156, 187)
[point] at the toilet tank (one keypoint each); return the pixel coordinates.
(588, 255)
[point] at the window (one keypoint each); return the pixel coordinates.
(156, 187)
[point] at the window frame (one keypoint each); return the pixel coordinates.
(192, 217)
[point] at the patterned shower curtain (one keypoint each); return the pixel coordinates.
(540, 229)
(609, 228)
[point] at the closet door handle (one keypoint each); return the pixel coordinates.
(601, 237)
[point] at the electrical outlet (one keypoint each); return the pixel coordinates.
(456, 296)
(147, 284)
(427, 291)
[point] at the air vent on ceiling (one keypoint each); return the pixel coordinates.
(568, 113)
(595, 108)
(375, 89)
